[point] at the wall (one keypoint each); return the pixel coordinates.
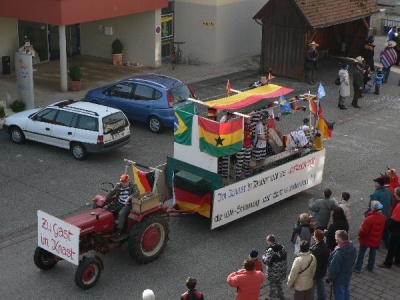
(136, 32)
(219, 30)
(9, 39)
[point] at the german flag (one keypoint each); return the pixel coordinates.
(323, 128)
(220, 139)
(143, 180)
(192, 202)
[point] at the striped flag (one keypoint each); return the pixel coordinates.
(220, 139)
(270, 75)
(228, 87)
(143, 180)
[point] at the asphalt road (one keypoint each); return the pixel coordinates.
(35, 176)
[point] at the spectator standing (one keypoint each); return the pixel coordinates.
(385, 197)
(275, 259)
(394, 241)
(370, 236)
(344, 88)
(358, 79)
(322, 208)
(378, 80)
(345, 205)
(369, 52)
(192, 293)
(311, 62)
(302, 231)
(388, 58)
(321, 252)
(247, 281)
(339, 222)
(341, 265)
(392, 34)
(302, 273)
(257, 264)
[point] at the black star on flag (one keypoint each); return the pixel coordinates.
(219, 141)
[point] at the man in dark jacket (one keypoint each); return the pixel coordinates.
(322, 208)
(192, 293)
(341, 265)
(358, 81)
(311, 62)
(384, 196)
(321, 252)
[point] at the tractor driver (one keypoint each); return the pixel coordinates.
(123, 192)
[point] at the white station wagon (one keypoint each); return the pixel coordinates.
(81, 127)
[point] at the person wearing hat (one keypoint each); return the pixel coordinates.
(212, 114)
(344, 88)
(123, 192)
(388, 57)
(358, 80)
(385, 197)
(311, 62)
(369, 52)
(257, 264)
(370, 235)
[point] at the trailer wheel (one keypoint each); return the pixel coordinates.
(88, 273)
(148, 238)
(43, 259)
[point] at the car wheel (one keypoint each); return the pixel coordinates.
(154, 124)
(16, 135)
(78, 151)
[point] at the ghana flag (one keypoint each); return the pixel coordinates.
(183, 124)
(220, 139)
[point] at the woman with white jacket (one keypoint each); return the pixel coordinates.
(301, 277)
(344, 88)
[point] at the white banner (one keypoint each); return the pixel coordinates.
(58, 237)
(257, 192)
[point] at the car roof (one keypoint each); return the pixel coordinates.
(164, 81)
(85, 107)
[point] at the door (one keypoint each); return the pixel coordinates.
(72, 35)
(63, 130)
(39, 127)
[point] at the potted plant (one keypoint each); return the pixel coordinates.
(117, 48)
(75, 74)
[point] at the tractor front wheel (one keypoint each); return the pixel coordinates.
(148, 238)
(88, 273)
(43, 259)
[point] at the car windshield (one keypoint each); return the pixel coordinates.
(180, 93)
(114, 121)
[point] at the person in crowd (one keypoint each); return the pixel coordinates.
(243, 157)
(311, 62)
(394, 241)
(385, 197)
(302, 273)
(263, 81)
(388, 58)
(212, 113)
(345, 205)
(247, 281)
(148, 295)
(123, 192)
(392, 34)
(322, 208)
(344, 88)
(257, 264)
(339, 222)
(378, 80)
(192, 293)
(307, 129)
(223, 163)
(394, 179)
(260, 140)
(366, 79)
(341, 262)
(321, 252)
(302, 231)
(369, 52)
(275, 259)
(370, 235)
(358, 79)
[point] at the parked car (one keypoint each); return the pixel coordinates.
(80, 127)
(148, 98)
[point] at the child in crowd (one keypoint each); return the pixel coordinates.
(378, 80)
(257, 264)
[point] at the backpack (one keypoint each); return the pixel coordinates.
(337, 81)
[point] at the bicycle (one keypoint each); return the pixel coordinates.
(177, 56)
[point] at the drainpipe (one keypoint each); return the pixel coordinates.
(63, 58)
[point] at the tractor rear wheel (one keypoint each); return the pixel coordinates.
(148, 238)
(88, 272)
(43, 259)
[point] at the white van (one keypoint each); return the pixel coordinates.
(81, 127)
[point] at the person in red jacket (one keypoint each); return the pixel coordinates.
(247, 281)
(192, 293)
(370, 236)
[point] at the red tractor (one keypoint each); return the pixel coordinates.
(146, 233)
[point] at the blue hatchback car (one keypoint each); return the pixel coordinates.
(148, 98)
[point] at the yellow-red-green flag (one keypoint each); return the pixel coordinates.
(183, 124)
